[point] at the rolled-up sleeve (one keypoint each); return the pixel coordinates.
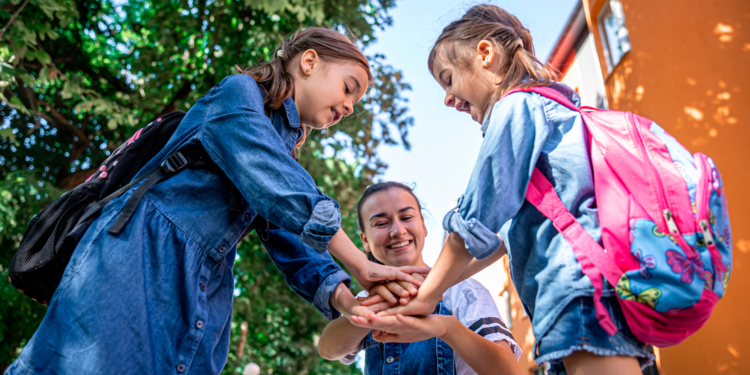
(241, 140)
(310, 274)
(513, 139)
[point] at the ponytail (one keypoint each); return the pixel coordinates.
(279, 83)
(518, 65)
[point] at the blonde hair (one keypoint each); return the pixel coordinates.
(279, 84)
(518, 65)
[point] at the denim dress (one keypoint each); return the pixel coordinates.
(428, 357)
(525, 130)
(157, 298)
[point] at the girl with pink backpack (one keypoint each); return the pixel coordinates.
(617, 236)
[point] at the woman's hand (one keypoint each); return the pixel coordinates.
(394, 292)
(402, 329)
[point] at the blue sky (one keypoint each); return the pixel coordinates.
(445, 143)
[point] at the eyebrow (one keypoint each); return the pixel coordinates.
(359, 86)
(383, 214)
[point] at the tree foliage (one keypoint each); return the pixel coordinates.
(79, 77)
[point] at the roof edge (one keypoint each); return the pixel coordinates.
(570, 34)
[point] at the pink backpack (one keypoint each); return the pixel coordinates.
(665, 227)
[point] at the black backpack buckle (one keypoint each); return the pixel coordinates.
(174, 163)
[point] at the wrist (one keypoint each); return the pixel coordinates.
(342, 299)
(447, 327)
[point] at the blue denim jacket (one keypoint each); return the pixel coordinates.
(157, 298)
(526, 130)
(429, 357)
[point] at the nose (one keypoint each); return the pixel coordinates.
(397, 229)
(348, 109)
(450, 100)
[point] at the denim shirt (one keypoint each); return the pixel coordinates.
(428, 357)
(157, 298)
(526, 130)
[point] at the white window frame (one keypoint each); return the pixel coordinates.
(606, 45)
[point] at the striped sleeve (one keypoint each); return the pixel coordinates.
(475, 308)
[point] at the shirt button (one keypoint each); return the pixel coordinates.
(199, 324)
(180, 367)
(222, 248)
(248, 216)
(389, 360)
(203, 286)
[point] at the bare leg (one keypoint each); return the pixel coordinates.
(585, 363)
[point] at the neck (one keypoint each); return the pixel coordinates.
(419, 262)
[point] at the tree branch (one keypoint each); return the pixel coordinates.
(13, 18)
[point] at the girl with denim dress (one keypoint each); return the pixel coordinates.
(465, 334)
(477, 59)
(157, 297)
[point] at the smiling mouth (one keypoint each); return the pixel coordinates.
(335, 116)
(400, 246)
(463, 106)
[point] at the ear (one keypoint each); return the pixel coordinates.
(364, 241)
(486, 53)
(308, 60)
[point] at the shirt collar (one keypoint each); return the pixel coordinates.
(291, 112)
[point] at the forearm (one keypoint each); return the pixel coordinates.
(343, 249)
(476, 265)
(482, 355)
(453, 260)
(340, 338)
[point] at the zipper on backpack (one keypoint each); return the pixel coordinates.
(674, 230)
(668, 217)
(707, 236)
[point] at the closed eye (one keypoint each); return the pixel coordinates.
(346, 89)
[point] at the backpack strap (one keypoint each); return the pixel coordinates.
(191, 156)
(594, 260)
(547, 92)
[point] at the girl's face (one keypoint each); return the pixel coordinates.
(470, 90)
(394, 230)
(326, 91)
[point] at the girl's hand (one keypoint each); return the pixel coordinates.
(402, 329)
(416, 307)
(371, 273)
(394, 292)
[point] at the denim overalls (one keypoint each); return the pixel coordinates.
(433, 356)
(157, 298)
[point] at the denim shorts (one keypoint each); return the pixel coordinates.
(577, 328)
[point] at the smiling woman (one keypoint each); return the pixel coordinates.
(465, 335)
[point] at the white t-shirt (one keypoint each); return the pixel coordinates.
(475, 308)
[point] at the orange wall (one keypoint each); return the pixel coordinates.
(688, 71)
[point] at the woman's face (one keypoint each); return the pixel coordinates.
(394, 230)
(326, 91)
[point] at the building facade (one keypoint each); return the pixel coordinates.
(683, 64)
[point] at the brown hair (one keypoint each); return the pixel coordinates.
(372, 189)
(279, 84)
(518, 65)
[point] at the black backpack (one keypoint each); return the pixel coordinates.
(48, 242)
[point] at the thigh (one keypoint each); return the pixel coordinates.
(586, 363)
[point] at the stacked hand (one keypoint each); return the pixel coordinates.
(388, 308)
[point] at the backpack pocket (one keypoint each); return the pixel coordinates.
(712, 221)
